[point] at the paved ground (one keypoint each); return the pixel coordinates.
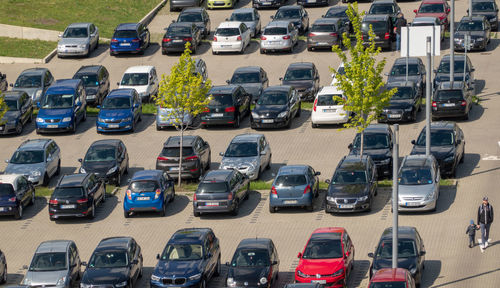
(449, 263)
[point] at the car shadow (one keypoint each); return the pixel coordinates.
(242, 3)
(479, 86)
(150, 51)
(431, 272)
(13, 278)
(103, 210)
(300, 47)
(65, 170)
(246, 208)
(494, 43)
(103, 48)
(284, 277)
(269, 174)
(253, 47)
(470, 163)
(359, 272)
(475, 113)
(131, 172)
(146, 122)
(146, 276)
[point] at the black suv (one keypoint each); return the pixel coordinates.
(95, 80)
(107, 159)
(228, 105)
(487, 8)
(353, 185)
(276, 107)
(254, 261)
(382, 28)
(297, 15)
(404, 104)
(196, 157)
(115, 262)
(19, 112)
(198, 16)
(452, 101)
(385, 7)
(221, 191)
(76, 195)
(442, 73)
(447, 145)
(378, 144)
(304, 77)
(252, 78)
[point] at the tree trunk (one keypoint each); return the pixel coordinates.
(362, 142)
(180, 156)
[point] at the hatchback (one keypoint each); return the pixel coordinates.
(78, 39)
(231, 36)
(228, 105)
(477, 28)
(353, 185)
(327, 258)
(385, 7)
(221, 191)
(121, 110)
(19, 112)
(404, 104)
(148, 190)
(196, 157)
(442, 73)
(37, 159)
(16, 192)
(418, 182)
(95, 81)
(107, 159)
(452, 101)
(115, 262)
(279, 36)
(255, 263)
(435, 8)
(144, 79)
(276, 108)
(198, 16)
(191, 258)
(129, 38)
(252, 78)
(56, 263)
(249, 16)
(382, 28)
(180, 4)
(304, 77)
(294, 185)
(34, 81)
(216, 4)
(328, 109)
(489, 9)
(339, 12)
(77, 195)
(297, 15)
(416, 72)
(411, 252)
(258, 4)
(3, 265)
(326, 32)
(178, 35)
(392, 277)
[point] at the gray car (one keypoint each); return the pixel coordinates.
(279, 36)
(37, 159)
(179, 4)
(79, 39)
(249, 16)
(55, 264)
(416, 72)
(248, 153)
(418, 181)
(252, 78)
(33, 81)
(19, 113)
(326, 32)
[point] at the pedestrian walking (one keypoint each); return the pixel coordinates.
(484, 220)
(400, 22)
(471, 231)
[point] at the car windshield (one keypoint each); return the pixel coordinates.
(275, 31)
(52, 261)
(6, 189)
(89, 80)
(190, 17)
(227, 32)
(290, 180)
(287, 14)
(143, 186)
(273, 98)
(323, 28)
(175, 151)
(100, 153)
(349, 177)
(341, 70)
(11, 104)
(76, 33)
(328, 99)
(377, 26)
(250, 258)
(406, 248)
(381, 9)
(57, 101)
(298, 74)
(135, 79)
(241, 78)
(212, 187)
(323, 248)
(483, 6)
(445, 95)
(444, 66)
(242, 149)
(221, 100)
(372, 141)
(424, 23)
(431, 8)
(242, 17)
(28, 81)
(125, 34)
(27, 157)
(178, 30)
(182, 252)
(415, 176)
(400, 70)
(470, 25)
(116, 103)
(438, 138)
(403, 93)
(67, 192)
(391, 284)
(332, 13)
(108, 259)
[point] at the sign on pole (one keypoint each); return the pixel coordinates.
(418, 39)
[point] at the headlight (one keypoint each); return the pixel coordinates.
(155, 278)
(82, 170)
(263, 280)
(363, 198)
(330, 198)
(339, 272)
(143, 94)
(456, 39)
(39, 120)
(374, 271)
(230, 282)
(283, 114)
(38, 93)
(409, 109)
(66, 119)
(128, 119)
(60, 46)
(255, 115)
(61, 281)
(301, 274)
(112, 170)
(121, 284)
(195, 277)
(449, 158)
(82, 285)
(494, 19)
(36, 173)
(26, 281)
(82, 46)
(385, 161)
(12, 122)
(429, 196)
(99, 119)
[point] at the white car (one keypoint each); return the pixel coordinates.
(326, 110)
(340, 70)
(231, 36)
(141, 78)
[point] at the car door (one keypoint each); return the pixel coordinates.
(24, 108)
(136, 107)
(210, 258)
(205, 150)
(199, 148)
(133, 257)
(349, 250)
(256, 18)
(264, 79)
(76, 266)
(274, 259)
(22, 191)
(50, 165)
(293, 102)
(372, 171)
(120, 158)
(294, 33)
(206, 21)
(305, 18)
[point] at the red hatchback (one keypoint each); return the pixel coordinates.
(434, 8)
(327, 259)
(392, 278)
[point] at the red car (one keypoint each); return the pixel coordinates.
(392, 278)
(327, 259)
(434, 8)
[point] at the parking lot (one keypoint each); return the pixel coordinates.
(449, 262)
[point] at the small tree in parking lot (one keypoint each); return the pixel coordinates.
(362, 83)
(3, 108)
(184, 93)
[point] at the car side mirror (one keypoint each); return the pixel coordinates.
(459, 141)
(262, 152)
(272, 17)
(80, 160)
(157, 256)
(422, 253)
(227, 264)
(49, 159)
(25, 267)
(322, 16)
(227, 19)
(317, 173)
(118, 83)
(38, 105)
(73, 265)
(281, 79)
(472, 69)
(299, 255)
(415, 10)
(11, 85)
(136, 105)
(59, 36)
(347, 254)
(327, 181)
(370, 255)
(98, 106)
(274, 262)
(316, 78)
(135, 262)
(209, 255)
(84, 263)
(221, 154)
(228, 81)
(413, 142)
(386, 73)
(6, 160)
(350, 146)
(448, 10)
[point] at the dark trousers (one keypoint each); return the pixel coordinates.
(471, 240)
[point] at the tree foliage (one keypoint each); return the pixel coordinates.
(3, 108)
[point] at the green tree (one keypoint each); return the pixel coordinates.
(362, 82)
(183, 92)
(3, 108)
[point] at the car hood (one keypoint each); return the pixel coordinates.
(250, 24)
(45, 277)
(139, 88)
(298, 84)
(320, 266)
(114, 113)
(412, 78)
(11, 115)
(473, 34)
(237, 161)
(91, 90)
(98, 166)
(271, 110)
(415, 190)
(55, 113)
(440, 152)
(348, 190)
(105, 275)
(443, 77)
(186, 268)
(400, 103)
(73, 41)
(375, 154)
(248, 274)
(407, 263)
(24, 169)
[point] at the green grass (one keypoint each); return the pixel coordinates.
(42, 191)
(57, 14)
(254, 185)
(442, 182)
(15, 47)
(307, 105)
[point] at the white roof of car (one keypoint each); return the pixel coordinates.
(139, 69)
(229, 24)
(8, 178)
(330, 90)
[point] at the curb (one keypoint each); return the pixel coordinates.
(51, 55)
(149, 17)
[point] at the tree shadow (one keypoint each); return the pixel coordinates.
(246, 208)
(431, 272)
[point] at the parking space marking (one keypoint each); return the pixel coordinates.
(258, 209)
(387, 207)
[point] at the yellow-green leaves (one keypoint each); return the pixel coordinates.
(3, 108)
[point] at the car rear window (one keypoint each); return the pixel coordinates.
(190, 17)
(227, 32)
(275, 31)
(243, 17)
(381, 9)
(400, 70)
(67, 192)
(290, 180)
(250, 77)
(143, 186)
(336, 13)
(377, 26)
(221, 100)
(403, 93)
(212, 187)
(125, 34)
(328, 100)
(445, 95)
(11, 103)
(391, 284)
(175, 151)
(431, 8)
(178, 30)
(323, 28)
(6, 189)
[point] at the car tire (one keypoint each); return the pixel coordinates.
(268, 166)
(289, 123)
(19, 213)
(19, 128)
(196, 214)
(73, 128)
(118, 179)
(46, 180)
(32, 201)
(237, 121)
(272, 209)
(84, 117)
(158, 128)
(58, 170)
(262, 51)
(466, 116)
(248, 191)
(173, 196)
(4, 276)
(103, 198)
(126, 214)
(203, 283)
(314, 125)
(297, 115)
(217, 271)
(236, 209)
(462, 158)
(92, 214)
(309, 48)
(163, 209)
(30, 119)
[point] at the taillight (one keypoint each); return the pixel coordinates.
(386, 36)
(194, 197)
(191, 158)
(188, 39)
(160, 158)
(312, 34)
(307, 189)
(114, 41)
(81, 201)
(273, 191)
(238, 38)
(315, 103)
(334, 34)
(13, 199)
(463, 103)
(361, 37)
(263, 38)
(158, 191)
(434, 104)
(230, 196)
(129, 194)
(136, 40)
(230, 109)
(53, 202)
(167, 39)
(206, 110)
(286, 37)
(215, 39)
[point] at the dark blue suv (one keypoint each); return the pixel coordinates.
(129, 38)
(190, 259)
(120, 111)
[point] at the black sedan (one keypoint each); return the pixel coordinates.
(404, 104)
(276, 108)
(178, 34)
(478, 28)
(295, 14)
(19, 112)
(108, 159)
(447, 145)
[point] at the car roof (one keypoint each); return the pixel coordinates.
(34, 144)
(329, 90)
(280, 23)
(77, 25)
(284, 88)
(13, 94)
(229, 24)
(147, 175)
(384, 1)
(255, 243)
(66, 83)
(293, 169)
(243, 10)
(300, 65)
(389, 274)
(420, 160)
(375, 17)
(127, 26)
(332, 20)
(483, 0)
(351, 161)
(121, 92)
(343, 8)
(473, 18)
(400, 84)
(447, 85)
(9, 178)
(139, 69)
(34, 71)
(403, 232)
(183, 24)
(114, 243)
(223, 89)
(217, 175)
(291, 7)
(456, 57)
(378, 128)
(411, 60)
(72, 180)
(329, 229)
(426, 19)
(192, 10)
(433, 1)
(110, 142)
(89, 69)
(249, 137)
(190, 235)
(247, 69)
(53, 246)
(175, 141)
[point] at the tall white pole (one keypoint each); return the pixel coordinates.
(395, 201)
(428, 101)
(452, 43)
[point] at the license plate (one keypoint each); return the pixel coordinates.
(212, 204)
(329, 110)
(274, 42)
(290, 202)
(268, 121)
(266, 3)
(174, 168)
(217, 114)
(449, 105)
(51, 126)
(394, 115)
(113, 126)
(142, 198)
(412, 204)
(177, 41)
(71, 206)
(124, 44)
(3, 209)
(1, 128)
(346, 206)
(319, 281)
(377, 37)
(311, 1)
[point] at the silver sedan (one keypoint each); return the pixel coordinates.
(79, 39)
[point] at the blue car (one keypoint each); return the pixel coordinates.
(129, 38)
(190, 259)
(120, 111)
(294, 186)
(148, 190)
(62, 107)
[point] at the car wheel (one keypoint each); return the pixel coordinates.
(158, 128)
(19, 213)
(103, 198)
(272, 209)
(217, 268)
(462, 158)
(19, 128)
(163, 209)
(84, 117)
(237, 121)
(209, 161)
(236, 209)
(73, 128)
(248, 191)
(32, 201)
(30, 119)
(92, 214)
(196, 214)
(299, 111)
(126, 214)
(172, 197)
(289, 123)
(4, 277)
(466, 116)
(58, 170)
(203, 283)
(262, 51)
(314, 125)
(118, 179)
(268, 166)
(309, 48)
(46, 180)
